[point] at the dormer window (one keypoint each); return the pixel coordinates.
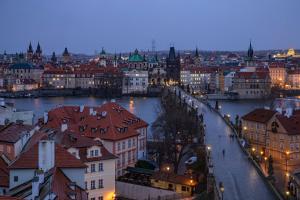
(96, 152)
(93, 130)
(92, 153)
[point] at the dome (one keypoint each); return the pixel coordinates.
(291, 52)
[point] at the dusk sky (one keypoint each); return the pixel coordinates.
(123, 25)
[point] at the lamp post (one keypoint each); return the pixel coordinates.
(287, 193)
(266, 158)
(286, 160)
(221, 189)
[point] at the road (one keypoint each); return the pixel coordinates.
(240, 179)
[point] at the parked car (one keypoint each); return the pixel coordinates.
(191, 160)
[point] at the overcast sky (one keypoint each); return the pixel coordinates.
(123, 25)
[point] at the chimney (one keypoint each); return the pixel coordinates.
(113, 100)
(64, 127)
(289, 112)
(45, 117)
(91, 111)
(46, 155)
(2, 102)
(81, 108)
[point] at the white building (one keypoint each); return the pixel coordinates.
(228, 80)
(135, 82)
(198, 78)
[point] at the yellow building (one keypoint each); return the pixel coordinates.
(170, 181)
(278, 74)
(275, 134)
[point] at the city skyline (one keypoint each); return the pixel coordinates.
(208, 25)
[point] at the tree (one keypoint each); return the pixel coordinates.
(178, 125)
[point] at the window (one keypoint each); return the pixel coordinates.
(93, 168)
(100, 183)
(119, 146)
(183, 188)
(129, 143)
(133, 142)
(93, 185)
(85, 183)
(93, 198)
(16, 178)
(123, 145)
(96, 152)
(100, 167)
(100, 198)
(129, 156)
(92, 153)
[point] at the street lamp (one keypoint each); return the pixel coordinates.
(287, 193)
(286, 159)
(221, 189)
(266, 158)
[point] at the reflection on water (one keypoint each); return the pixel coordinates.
(241, 107)
(145, 108)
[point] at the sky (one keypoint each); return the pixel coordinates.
(85, 26)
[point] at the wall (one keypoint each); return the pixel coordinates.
(140, 192)
(24, 175)
(107, 175)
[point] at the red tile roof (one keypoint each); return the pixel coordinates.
(4, 174)
(82, 143)
(29, 159)
(60, 186)
(109, 122)
(290, 124)
(252, 75)
(12, 132)
(259, 115)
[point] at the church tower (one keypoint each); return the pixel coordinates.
(197, 58)
(250, 56)
(53, 58)
(29, 52)
(102, 58)
(66, 56)
(38, 52)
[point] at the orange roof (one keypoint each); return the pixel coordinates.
(108, 122)
(12, 132)
(252, 75)
(60, 186)
(4, 174)
(259, 115)
(290, 124)
(63, 159)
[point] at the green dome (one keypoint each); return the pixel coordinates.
(136, 57)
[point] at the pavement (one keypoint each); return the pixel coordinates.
(240, 179)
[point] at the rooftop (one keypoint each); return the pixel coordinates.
(259, 115)
(13, 131)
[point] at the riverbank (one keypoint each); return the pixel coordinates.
(79, 92)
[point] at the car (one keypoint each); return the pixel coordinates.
(191, 160)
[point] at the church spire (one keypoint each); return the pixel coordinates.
(38, 49)
(197, 53)
(30, 50)
(250, 51)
